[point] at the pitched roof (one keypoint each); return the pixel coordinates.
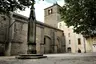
(52, 6)
(37, 22)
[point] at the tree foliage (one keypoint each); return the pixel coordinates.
(12, 5)
(81, 14)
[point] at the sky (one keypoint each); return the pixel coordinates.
(40, 5)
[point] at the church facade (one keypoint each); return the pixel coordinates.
(49, 39)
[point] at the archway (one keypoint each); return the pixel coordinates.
(79, 51)
(69, 49)
(47, 44)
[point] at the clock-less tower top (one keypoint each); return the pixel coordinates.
(52, 17)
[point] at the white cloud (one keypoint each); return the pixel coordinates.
(61, 2)
(51, 1)
(39, 9)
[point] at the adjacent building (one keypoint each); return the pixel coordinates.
(91, 44)
(75, 43)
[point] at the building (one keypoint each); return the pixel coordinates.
(75, 43)
(13, 36)
(91, 44)
(52, 36)
(52, 17)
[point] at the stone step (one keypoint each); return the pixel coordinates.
(30, 56)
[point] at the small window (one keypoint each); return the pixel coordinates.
(69, 41)
(44, 40)
(60, 25)
(79, 41)
(50, 11)
(68, 34)
(62, 34)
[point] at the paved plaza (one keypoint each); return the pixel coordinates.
(83, 58)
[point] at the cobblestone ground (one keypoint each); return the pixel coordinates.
(53, 59)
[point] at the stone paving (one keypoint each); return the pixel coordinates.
(89, 58)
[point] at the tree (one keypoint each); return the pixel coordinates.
(81, 14)
(12, 5)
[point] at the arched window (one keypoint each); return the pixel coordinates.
(50, 11)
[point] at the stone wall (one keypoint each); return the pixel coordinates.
(39, 38)
(54, 41)
(49, 39)
(3, 27)
(46, 36)
(53, 18)
(19, 35)
(4, 23)
(19, 43)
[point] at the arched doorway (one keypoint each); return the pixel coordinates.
(47, 44)
(79, 51)
(69, 49)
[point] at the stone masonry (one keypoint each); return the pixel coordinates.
(48, 39)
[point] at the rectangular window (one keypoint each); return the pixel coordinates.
(60, 25)
(79, 41)
(68, 34)
(44, 40)
(69, 41)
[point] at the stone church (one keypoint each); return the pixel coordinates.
(49, 39)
